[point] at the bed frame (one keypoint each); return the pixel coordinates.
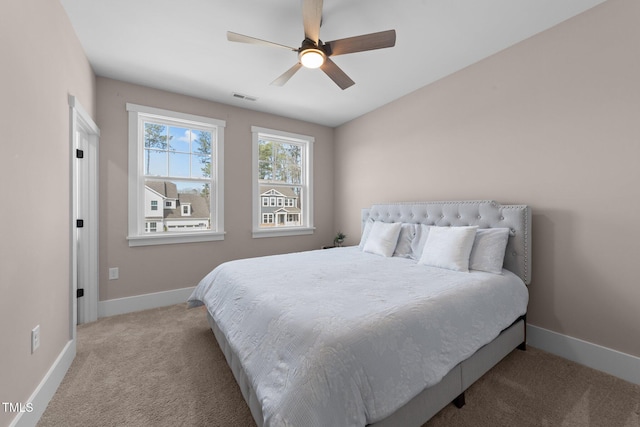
(485, 214)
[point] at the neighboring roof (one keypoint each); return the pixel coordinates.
(165, 188)
(291, 210)
(285, 191)
(199, 207)
(169, 190)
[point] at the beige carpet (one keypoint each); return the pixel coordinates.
(162, 367)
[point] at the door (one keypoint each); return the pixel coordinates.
(84, 252)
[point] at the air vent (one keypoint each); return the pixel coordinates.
(245, 97)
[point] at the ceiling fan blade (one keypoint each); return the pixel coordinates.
(235, 37)
(311, 19)
(280, 81)
(336, 74)
(361, 43)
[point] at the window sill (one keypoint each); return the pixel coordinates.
(173, 238)
(282, 232)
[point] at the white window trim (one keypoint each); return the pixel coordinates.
(307, 195)
(136, 236)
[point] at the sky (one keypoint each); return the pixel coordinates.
(182, 158)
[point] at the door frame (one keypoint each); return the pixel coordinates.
(84, 187)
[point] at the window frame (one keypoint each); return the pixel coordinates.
(136, 232)
(306, 200)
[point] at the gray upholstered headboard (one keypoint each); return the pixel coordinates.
(483, 213)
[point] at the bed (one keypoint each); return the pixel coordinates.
(364, 336)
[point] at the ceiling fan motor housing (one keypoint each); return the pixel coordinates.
(312, 55)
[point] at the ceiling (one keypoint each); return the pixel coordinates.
(181, 46)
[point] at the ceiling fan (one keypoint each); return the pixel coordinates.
(313, 53)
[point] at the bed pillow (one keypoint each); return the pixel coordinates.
(365, 233)
(403, 247)
(383, 238)
(487, 253)
(449, 247)
(419, 240)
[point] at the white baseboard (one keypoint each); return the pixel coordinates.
(47, 388)
(594, 356)
(51, 381)
(113, 307)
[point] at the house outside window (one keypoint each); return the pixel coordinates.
(175, 162)
(282, 171)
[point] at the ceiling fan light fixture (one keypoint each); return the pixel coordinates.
(313, 53)
(312, 58)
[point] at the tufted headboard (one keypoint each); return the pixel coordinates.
(483, 213)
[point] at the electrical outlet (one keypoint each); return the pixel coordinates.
(35, 339)
(114, 273)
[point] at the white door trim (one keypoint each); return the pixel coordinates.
(84, 187)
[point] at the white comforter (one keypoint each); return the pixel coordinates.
(344, 338)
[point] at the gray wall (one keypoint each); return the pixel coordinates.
(42, 62)
(551, 122)
(161, 268)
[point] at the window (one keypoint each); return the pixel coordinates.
(282, 171)
(176, 168)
